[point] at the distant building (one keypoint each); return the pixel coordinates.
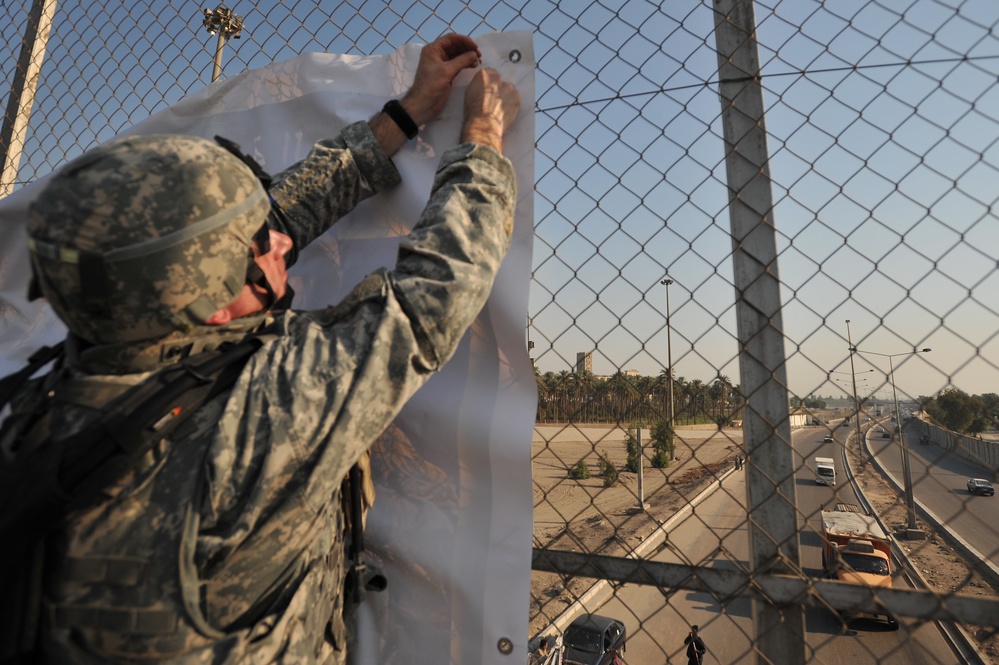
(584, 362)
(632, 372)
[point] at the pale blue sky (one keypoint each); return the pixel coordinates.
(884, 142)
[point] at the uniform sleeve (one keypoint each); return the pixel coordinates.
(399, 326)
(309, 403)
(334, 177)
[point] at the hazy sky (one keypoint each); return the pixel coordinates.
(883, 135)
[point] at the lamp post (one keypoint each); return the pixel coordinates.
(910, 503)
(856, 402)
(669, 358)
(227, 24)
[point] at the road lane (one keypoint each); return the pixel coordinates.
(715, 536)
(939, 482)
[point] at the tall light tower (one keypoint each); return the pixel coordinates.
(669, 358)
(856, 402)
(227, 24)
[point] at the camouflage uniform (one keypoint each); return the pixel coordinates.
(226, 545)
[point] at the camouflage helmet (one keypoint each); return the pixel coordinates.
(145, 235)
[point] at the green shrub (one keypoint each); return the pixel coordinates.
(660, 460)
(581, 471)
(634, 454)
(608, 471)
(662, 444)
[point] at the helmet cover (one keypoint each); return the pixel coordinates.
(145, 235)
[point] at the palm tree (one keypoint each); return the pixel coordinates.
(725, 396)
(542, 388)
(625, 394)
(695, 396)
(585, 383)
(561, 387)
(681, 394)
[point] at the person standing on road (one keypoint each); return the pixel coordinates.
(695, 647)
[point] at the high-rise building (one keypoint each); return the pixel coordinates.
(584, 362)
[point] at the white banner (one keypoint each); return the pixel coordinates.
(452, 521)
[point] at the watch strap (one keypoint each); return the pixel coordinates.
(394, 110)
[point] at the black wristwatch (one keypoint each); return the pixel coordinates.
(394, 110)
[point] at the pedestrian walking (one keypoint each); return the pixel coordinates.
(695, 647)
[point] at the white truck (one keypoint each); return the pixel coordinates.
(825, 471)
(857, 550)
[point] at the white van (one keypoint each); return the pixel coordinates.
(825, 471)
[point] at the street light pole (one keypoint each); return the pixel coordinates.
(669, 359)
(227, 24)
(910, 502)
(856, 402)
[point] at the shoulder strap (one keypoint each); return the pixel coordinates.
(43, 488)
(130, 426)
(149, 414)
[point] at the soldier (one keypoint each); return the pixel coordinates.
(224, 542)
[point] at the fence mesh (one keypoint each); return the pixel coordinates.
(680, 415)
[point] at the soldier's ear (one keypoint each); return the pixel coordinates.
(219, 318)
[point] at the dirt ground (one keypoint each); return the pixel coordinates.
(583, 515)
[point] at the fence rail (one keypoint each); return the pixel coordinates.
(814, 185)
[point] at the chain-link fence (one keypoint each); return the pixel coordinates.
(699, 456)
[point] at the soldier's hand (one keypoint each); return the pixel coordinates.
(440, 62)
(491, 106)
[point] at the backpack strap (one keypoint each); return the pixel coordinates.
(47, 485)
(129, 427)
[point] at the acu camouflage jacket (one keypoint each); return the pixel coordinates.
(226, 545)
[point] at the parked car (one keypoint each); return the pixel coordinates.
(981, 486)
(594, 640)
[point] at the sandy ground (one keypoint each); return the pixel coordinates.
(583, 515)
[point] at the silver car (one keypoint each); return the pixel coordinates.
(981, 486)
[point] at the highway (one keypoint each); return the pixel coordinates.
(715, 536)
(939, 483)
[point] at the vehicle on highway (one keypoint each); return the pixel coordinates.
(885, 435)
(981, 486)
(827, 438)
(856, 550)
(825, 471)
(594, 640)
